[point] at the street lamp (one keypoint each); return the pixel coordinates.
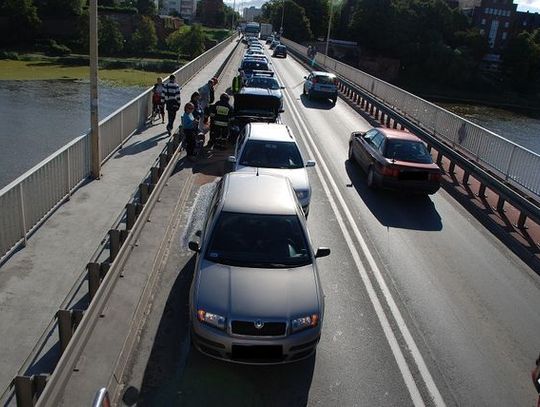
(329, 26)
(282, 15)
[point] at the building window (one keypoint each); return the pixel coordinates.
(483, 21)
(482, 32)
(506, 24)
(504, 35)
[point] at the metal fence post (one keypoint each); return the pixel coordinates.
(23, 214)
(510, 160)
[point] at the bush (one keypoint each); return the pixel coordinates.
(9, 55)
(57, 50)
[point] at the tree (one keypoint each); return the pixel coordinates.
(145, 37)
(60, 8)
(521, 61)
(111, 40)
(22, 21)
(146, 7)
(295, 23)
(317, 12)
(189, 43)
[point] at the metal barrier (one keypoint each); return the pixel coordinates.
(513, 163)
(27, 201)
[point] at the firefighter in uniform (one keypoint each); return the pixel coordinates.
(220, 117)
(238, 82)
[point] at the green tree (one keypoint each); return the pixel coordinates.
(60, 8)
(111, 40)
(317, 12)
(22, 21)
(521, 61)
(144, 38)
(295, 23)
(189, 43)
(146, 7)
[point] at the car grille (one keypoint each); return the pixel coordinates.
(262, 354)
(413, 175)
(248, 328)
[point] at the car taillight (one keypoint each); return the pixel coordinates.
(390, 172)
(435, 176)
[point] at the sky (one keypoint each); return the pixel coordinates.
(523, 5)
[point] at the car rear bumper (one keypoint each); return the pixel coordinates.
(254, 350)
(323, 94)
(421, 187)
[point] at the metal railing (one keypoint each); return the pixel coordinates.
(27, 201)
(510, 161)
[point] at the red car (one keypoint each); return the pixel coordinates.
(395, 159)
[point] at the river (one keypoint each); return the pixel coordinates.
(39, 117)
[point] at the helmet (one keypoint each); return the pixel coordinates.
(224, 97)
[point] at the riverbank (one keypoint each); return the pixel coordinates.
(115, 72)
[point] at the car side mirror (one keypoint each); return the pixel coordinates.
(194, 246)
(305, 77)
(198, 233)
(310, 163)
(321, 252)
(281, 110)
(231, 159)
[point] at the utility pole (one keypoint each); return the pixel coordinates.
(94, 118)
(329, 26)
(233, 12)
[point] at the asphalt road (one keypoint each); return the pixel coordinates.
(423, 305)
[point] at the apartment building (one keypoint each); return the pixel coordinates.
(186, 8)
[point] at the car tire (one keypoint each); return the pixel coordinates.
(371, 183)
(303, 90)
(351, 155)
(334, 101)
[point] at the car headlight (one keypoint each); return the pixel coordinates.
(211, 319)
(302, 194)
(310, 321)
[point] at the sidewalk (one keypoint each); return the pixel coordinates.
(36, 280)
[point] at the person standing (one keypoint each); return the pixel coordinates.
(207, 98)
(157, 104)
(171, 99)
(220, 117)
(189, 126)
(238, 82)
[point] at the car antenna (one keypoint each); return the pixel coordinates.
(257, 171)
(394, 158)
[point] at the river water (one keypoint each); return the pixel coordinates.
(39, 117)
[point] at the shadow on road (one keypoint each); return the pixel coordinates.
(141, 146)
(321, 104)
(178, 375)
(393, 208)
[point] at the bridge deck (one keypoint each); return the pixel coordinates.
(37, 279)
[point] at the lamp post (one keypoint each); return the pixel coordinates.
(329, 26)
(94, 120)
(282, 15)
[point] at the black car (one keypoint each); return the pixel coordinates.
(280, 51)
(249, 65)
(254, 105)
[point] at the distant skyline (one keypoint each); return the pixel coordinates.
(523, 5)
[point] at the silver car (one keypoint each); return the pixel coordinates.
(271, 148)
(256, 296)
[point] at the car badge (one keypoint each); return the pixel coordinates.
(258, 324)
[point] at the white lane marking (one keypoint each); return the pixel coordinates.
(394, 345)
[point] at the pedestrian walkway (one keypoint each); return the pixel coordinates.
(36, 280)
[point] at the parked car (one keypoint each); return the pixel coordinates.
(254, 105)
(265, 80)
(280, 51)
(256, 295)
(274, 44)
(272, 149)
(249, 65)
(395, 159)
(251, 52)
(322, 85)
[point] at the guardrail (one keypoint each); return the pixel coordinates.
(27, 201)
(512, 162)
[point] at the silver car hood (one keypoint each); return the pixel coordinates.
(246, 293)
(298, 176)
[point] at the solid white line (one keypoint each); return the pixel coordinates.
(394, 345)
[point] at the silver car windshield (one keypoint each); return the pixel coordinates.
(271, 154)
(258, 241)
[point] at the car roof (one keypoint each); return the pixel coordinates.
(322, 73)
(281, 45)
(258, 194)
(398, 134)
(270, 132)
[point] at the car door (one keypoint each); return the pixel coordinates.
(375, 150)
(362, 147)
(239, 146)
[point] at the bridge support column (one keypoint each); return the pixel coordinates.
(29, 388)
(131, 216)
(439, 158)
(482, 191)
(143, 193)
(500, 205)
(114, 244)
(452, 168)
(521, 221)
(465, 179)
(162, 163)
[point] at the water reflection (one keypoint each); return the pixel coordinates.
(520, 129)
(39, 117)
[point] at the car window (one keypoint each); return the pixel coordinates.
(370, 134)
(407, 150)
(251, 65)
(325, 80)
(377, 140)
(271, 154)
(262, 241)
(261, 82)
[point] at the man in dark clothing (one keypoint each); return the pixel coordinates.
(220, 117)
(171, 98)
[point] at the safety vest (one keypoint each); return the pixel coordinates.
(222, 115)
(237, 84)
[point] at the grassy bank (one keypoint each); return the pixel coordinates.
(47, 69)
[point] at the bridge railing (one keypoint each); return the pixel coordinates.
(27, 201)
(509, 160)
